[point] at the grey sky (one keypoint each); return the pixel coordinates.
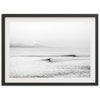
(64, 33)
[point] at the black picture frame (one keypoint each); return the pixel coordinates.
(4, 16)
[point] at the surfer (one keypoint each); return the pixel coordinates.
(49, 60)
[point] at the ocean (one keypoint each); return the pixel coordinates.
(49, 63)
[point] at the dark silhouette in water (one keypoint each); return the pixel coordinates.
(48, 60)
(73, 55)
(70, 55)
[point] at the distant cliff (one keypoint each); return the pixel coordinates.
(22, 45)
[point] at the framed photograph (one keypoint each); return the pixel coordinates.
(49, 49)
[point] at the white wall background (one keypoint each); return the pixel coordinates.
(49, 92)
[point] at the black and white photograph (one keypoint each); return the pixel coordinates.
(50, 49)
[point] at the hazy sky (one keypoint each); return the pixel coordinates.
(64, 33)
